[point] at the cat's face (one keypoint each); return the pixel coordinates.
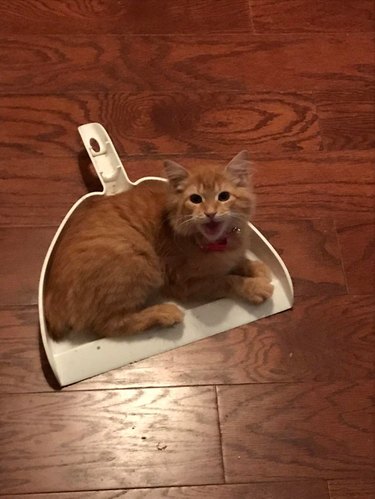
(209, 201)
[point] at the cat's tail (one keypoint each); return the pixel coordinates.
(163, 315)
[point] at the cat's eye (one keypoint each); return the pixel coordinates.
(196, 198)
(223, 196)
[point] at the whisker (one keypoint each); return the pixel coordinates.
(184, 221)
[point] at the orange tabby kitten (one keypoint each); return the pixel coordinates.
(186, 238)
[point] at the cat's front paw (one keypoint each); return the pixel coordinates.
(169, 314)
(257, 289)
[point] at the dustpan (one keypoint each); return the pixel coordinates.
(84, 356)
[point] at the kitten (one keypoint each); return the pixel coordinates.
(186, 239)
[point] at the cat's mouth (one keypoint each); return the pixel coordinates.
(212, 230)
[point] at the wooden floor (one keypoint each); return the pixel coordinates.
(279, 409)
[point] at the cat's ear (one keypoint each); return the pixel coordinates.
(176, 174)
(239, 169)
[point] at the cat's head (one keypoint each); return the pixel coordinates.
(209, 200)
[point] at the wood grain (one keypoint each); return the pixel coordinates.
(22, 252)
(322, 339)
(311, 252)
(347, 119)
(357, 239)
(315, 185)
(283, 490)
(24, 366)
(112, 439)
(293, 82)
(287, 185)
(124, 16)
(318, 16)
(40, 191)
(151, 123)
(109, 63)
(351, 489)
(101, 63)
(297, 431)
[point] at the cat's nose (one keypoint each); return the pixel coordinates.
(210, 214)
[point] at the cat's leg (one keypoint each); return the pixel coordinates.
(163, 315)
(252, 289)
(252, 268)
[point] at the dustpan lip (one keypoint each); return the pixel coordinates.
(281, 262)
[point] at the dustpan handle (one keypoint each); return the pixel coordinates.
(104, 158)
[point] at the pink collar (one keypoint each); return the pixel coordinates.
(221, 244)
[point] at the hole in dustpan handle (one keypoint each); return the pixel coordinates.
(104, 158)
(95, 146)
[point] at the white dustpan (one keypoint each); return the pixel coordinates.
(76, 359)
